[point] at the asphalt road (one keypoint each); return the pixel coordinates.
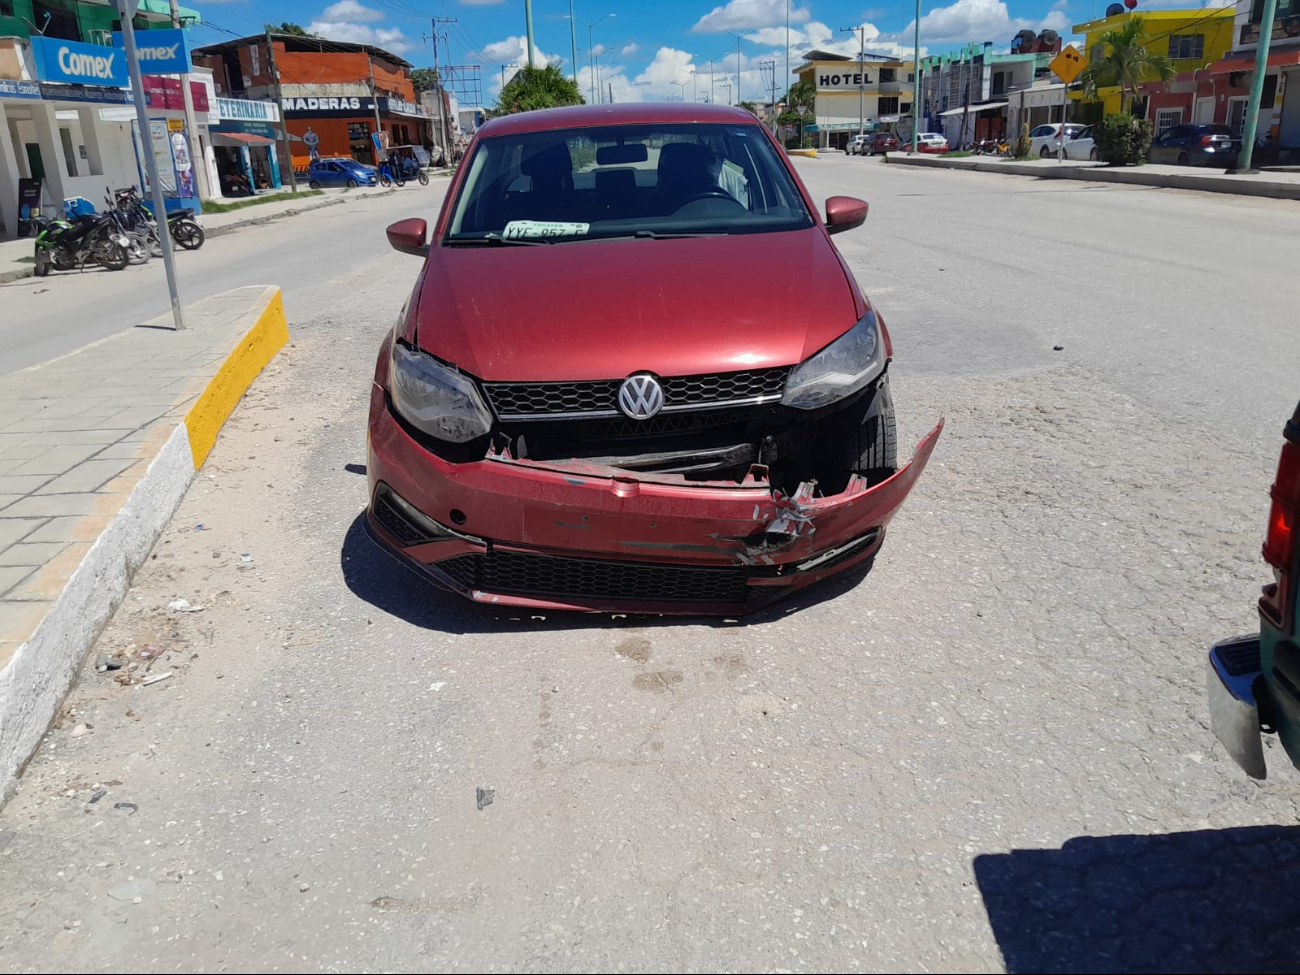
(990, 754)
(44, 318)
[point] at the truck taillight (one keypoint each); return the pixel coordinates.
(1280, 542)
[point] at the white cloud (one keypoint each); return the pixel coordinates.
(393, 40)
(599, 50)
(350, 10)
(749, 14)
(613, 78)
(669, 67)
(514, 50)
(628, 49)
(965, 21)
(1060, 4)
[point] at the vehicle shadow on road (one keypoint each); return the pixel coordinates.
(379, 579)
(1206, 901)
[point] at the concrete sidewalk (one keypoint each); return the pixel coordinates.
(16, 255)
(96, 450)
(1272, 185)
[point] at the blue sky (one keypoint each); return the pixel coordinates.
(646, 47)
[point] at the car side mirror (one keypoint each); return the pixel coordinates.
(408, 236)
(844, 213)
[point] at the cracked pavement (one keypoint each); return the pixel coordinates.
(991, 753)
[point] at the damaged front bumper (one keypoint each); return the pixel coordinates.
(581, 536)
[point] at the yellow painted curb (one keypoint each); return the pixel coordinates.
(806, 153)
(256, 348)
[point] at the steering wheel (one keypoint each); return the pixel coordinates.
(713, 192)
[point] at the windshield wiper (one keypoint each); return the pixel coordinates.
(499, 241)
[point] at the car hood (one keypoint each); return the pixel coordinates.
(606, 309)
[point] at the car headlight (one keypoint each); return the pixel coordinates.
(842, 368)
(434, 398)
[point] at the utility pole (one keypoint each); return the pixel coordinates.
(916, 74)
(611, 93)
(528, 17)
(862, 70)
(1246, 156)
(191, 124)
(374, 101)
(127, 9)
(285, 146)
(444, 129)
(573, 42)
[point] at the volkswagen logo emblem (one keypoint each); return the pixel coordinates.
(641, 396)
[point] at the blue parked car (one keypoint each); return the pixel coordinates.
(1196, 144)
(339, 171)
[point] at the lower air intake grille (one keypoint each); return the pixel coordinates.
(548, 575)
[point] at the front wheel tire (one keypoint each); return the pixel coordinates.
(352, 184)
(1043, 153)
(188, 235)
(113, 256)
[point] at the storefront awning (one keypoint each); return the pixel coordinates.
(1246, 62)
(237, 139)
(974, 108)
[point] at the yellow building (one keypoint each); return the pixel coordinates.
(1193, 38)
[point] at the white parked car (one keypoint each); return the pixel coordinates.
(1045, 139)
(929, 142)
(858, 145)
(1081, 146)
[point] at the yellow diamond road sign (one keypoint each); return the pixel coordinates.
(1068, 65)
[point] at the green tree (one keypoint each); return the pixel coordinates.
(802, 95)
(534, 88)
(424, 79)
(1125, 62)
(287, 27)
(750, 107)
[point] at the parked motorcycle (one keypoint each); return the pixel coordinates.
(72, 243)
(140, 248)
(185, 230)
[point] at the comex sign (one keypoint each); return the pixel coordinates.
(71, 62)
(161, 51)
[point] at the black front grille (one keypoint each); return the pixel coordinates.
(524, 574)
(514, 400)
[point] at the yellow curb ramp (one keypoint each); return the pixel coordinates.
(258, 347)
(54, 618)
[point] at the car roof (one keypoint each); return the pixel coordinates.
(584, 116)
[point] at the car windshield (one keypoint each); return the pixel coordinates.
(626, 180)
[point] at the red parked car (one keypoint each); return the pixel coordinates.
(634, 373)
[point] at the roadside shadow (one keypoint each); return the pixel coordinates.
(383, 582)
(1206, 901)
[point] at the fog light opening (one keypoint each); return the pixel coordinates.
(457, 516)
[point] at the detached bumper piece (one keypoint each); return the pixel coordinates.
(1234, 680)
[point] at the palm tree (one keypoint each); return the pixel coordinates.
(1125, 63)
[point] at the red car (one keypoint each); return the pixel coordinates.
(634, 373)
(882, 142)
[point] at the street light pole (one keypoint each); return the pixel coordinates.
(573, 43)
(1246, 156)
(528, 19)
(916, 74)
(737, 37)
(862, 60)
(591, 61)
(127, 9)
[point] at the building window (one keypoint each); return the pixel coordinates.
(6, 8)
(888, 74)
(887, 105)
(1183, 46)
(69, 153)
(999, 82)
(255, 59)
(1167, 118)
